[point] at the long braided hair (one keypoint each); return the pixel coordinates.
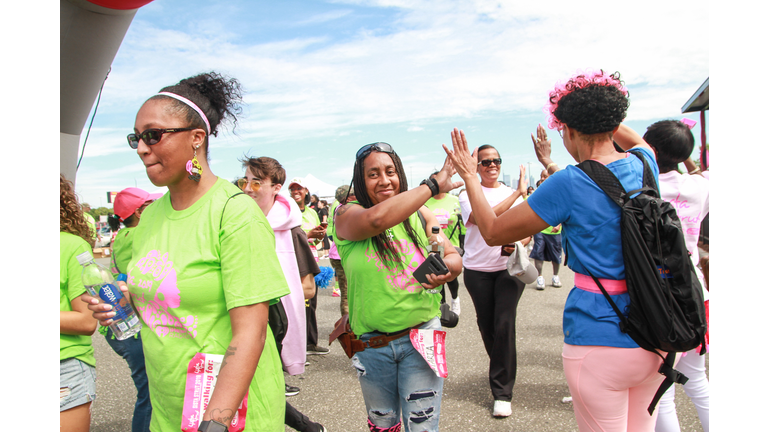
(384, 249)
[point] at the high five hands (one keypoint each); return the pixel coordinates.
(464, 162)
(443, 178)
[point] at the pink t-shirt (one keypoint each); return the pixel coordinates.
(689, 194)
(478, 255)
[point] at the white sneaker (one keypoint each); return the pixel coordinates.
(502, 408)
(556, 281)
(540, 283)
(456, 306)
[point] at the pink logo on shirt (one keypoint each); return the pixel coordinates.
(410, 256)
(443, 217)
(157, 311)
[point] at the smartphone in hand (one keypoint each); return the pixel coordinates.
(504, 252)
(432, 265)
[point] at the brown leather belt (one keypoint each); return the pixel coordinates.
(381, 341)
(351, 344)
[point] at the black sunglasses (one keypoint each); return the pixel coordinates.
(368, 148)
(152, 136)
(488, 162)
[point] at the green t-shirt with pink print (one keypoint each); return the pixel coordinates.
(188, 269)
(382, 296)
(447, 211)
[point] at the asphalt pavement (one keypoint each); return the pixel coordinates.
(330, 393)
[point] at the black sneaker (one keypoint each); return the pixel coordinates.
(317, 350)
(291, 390)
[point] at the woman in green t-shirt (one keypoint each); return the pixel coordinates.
(203, 268)
(381, 241)
(77, 372)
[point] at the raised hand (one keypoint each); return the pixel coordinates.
(443, 178)
(542, 145)
(522, 184)
(464, 162)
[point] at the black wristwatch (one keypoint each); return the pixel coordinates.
(212, 426)
(432, 185)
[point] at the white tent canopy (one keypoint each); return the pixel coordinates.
(316, 186)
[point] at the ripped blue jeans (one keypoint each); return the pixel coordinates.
(395, 379)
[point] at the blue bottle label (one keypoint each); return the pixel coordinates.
(112, 295)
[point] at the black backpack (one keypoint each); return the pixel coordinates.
(666, 304)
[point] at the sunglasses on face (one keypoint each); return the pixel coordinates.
(152, 136)
(243, 182)
(368, 148)
(487, 162)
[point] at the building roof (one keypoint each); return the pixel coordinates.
(699, 101)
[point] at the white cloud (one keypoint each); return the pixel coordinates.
(437, 61)
(447, 60)
(324, 17)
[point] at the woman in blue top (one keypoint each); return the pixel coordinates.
(611, 379)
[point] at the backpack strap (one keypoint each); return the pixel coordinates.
(458, 222)
(605, 180)
(225, 207)
(648, 180)
(623, 320)
(423, 221)
(671, 376)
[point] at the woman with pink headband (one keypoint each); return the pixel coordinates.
(612, 380)
(203, 270)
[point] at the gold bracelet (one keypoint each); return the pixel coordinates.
(697, 170)
(547, 168)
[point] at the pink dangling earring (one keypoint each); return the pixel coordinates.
(193, 167)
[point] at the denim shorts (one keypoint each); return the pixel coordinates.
(77, 383)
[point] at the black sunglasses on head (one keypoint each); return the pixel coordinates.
(488, 162)
(152, 136)
(368, 148)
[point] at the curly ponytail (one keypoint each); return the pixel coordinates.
(217, 96)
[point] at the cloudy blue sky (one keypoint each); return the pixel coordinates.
(322, 78)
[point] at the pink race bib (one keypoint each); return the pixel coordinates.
(431, 345)
(201, 380)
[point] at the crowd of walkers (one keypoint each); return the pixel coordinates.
(214, 267)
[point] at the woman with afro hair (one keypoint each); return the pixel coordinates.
(612, 380)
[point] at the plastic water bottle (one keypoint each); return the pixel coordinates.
(436, 242)
(99, 282)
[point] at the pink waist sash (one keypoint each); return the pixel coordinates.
(612, 286)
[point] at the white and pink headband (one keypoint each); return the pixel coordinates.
(191, 105)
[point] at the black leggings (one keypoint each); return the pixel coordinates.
(495, 296)
(454, 287)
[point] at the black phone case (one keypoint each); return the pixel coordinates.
(432, 265)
